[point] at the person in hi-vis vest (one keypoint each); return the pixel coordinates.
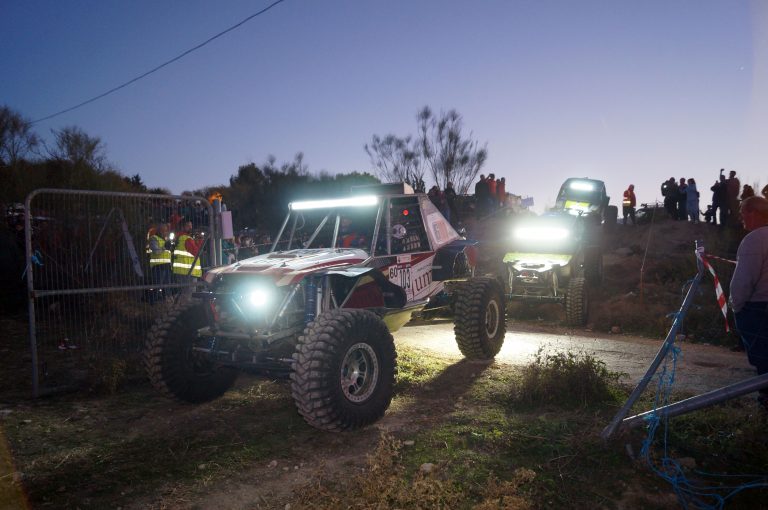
(186, 261)
(159, 260)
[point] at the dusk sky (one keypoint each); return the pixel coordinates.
(627, 92)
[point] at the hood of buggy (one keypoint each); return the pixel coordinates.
(291, 266)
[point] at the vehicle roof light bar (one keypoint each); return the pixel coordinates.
(582, 186)
(361, 201)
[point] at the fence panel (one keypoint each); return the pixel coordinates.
(92, 293)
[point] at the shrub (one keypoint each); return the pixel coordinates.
(566, 379)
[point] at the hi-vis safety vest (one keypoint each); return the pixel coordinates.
(182, 259)
(627, 202)
(163, 257)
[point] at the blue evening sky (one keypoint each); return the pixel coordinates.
(624, 91)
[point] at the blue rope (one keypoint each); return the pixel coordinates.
(36, 258)
(690, 495)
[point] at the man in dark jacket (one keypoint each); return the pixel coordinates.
(670, 192)
(718, 199)
(482, 193)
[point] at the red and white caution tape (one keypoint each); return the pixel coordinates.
(715, 257)
(718, 289)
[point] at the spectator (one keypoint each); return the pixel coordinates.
(764, 192)
(719, 200)
(747, 191)
(628, 204)
(482, 193)
(501, 191)
(669, 191)
(709, 215)
(159, 262)
(682, 200)
(692, 200)
(450, 199)
(438, 198)
(732, 188)
(749, 287)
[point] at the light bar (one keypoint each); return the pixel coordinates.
(582, 185)
(542, 233)
(361, 201)
(577, 208)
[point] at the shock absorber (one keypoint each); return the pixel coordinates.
(310, 299)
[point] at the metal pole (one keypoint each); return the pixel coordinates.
(217, 240)
(31, 296)
(699, 401)
(609, 430)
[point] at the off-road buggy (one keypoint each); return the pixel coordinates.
(320, 307)
(588, 199)
(553, 258)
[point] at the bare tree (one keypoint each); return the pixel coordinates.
(449, 155)
(77, 147)
(17, 140)
(397, 159)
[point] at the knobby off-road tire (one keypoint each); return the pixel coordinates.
(593, 265)
(611, 217)
(480, 322)
(344, 370)
(174, 368)
(576, 302)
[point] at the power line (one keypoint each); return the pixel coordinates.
(174, 59)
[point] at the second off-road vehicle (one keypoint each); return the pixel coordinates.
(553, 258)
(342, 275)
(587, 198)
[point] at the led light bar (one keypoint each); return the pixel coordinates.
(582, 185)
(542, 233)
(361, 201)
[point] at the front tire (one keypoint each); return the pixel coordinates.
(480, 322)
(174, 368)
(344, 370)
(576, 303)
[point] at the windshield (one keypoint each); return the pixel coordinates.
(349, 227)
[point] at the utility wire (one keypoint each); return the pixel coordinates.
(174, 59)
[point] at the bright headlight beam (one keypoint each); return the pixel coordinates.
(542, 233)
(361, 201)
(258, 297)
(582, 186)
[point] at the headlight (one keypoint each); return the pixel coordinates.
(542, 233)
(259, 298)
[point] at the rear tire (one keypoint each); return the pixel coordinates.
(611, 217)
(576, 302)
(174, 368)
(344, 370)
(593, 265)
(480, 322)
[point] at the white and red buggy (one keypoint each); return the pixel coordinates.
(321, 305)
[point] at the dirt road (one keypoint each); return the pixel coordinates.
(701, 367)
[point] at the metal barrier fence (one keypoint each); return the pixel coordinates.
(92, 292)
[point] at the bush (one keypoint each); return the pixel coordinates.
(566, 379)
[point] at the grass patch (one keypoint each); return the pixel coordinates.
(101, 452)
(566, 379)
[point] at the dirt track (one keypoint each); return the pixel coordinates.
(701, 367)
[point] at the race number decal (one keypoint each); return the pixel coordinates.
(400, 274)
